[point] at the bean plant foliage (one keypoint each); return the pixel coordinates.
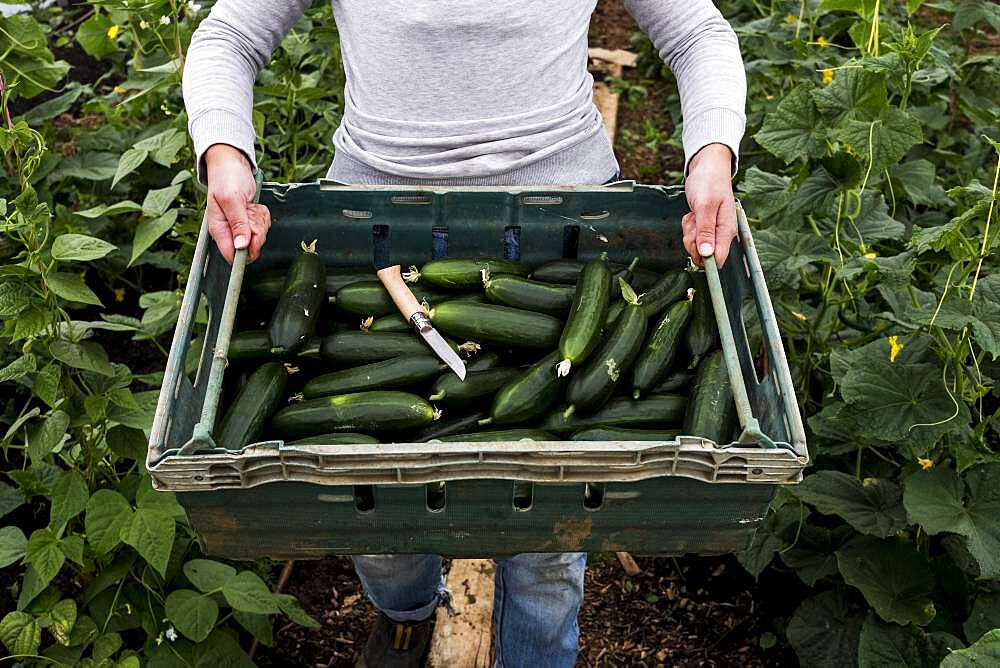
(98, 218)
(870, 175)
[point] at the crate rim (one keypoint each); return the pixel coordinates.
(172, 471)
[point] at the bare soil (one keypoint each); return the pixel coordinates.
(683, 612)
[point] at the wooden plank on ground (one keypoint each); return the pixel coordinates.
(465, 640)
(617, 56)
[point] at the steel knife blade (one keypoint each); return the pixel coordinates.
(409, 307)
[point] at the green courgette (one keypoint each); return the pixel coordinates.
(672, 287)
(711, 411)
(447, 425)
(525, 293)
(370, 298)
(360, 411)
(657, 411)
(391, 374)
(268, 285)
(255, 344)
(483, 361)
(355, 347)
(703, 332)
(614, 310)
(660, 349)
(674, 382)
(259, 397)
(591, 386)
(582, 331)
(529, 395)
(465, 273)
(499, 325)
(500, 436)
(449, 389)
(393, 322)
(567, 271)
(342, 438)
(295, 314)
(622, 434)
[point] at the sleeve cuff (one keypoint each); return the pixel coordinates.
(715, 126)
(218, 126)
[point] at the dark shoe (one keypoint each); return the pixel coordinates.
(396, 645)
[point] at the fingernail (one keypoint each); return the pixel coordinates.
(705, 249)
(241, 242)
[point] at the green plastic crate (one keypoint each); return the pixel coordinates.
(689, 495)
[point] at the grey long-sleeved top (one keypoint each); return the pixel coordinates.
(465, 91)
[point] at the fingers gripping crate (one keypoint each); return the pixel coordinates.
(688, 495)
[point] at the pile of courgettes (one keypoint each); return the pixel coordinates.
(571, 349)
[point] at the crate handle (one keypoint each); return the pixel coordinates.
(751, 427)
(202, 437)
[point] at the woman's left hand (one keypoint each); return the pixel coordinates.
(711, 225)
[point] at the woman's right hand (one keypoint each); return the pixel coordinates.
(235, 221)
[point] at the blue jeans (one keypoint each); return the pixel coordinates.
(535, 605)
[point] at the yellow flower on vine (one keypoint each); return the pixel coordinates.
(791, 19)
(113, 31)
(119, 295)
(143, 24)
(925, 464)
(118, 90)
(870, 256)
(822, 42)
(827, 76)
(894, 347)
(800, 316)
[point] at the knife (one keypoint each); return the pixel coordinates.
(408, 305)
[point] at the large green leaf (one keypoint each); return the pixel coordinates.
(767, 540)
(882, 142)
(128, 163)
(47, 436)
(247, 592)
(854, 93)
(63, 615)
(151, 533)
(20, 633)
(259, 626)
(940, 502)
(90, 165)
(85, 355)
(917, 180)
(192, 613)
(44, 554)
(220, 650)
(159, 200)
(12, 545)
(71, 288)
(80, 247)
(894, 578)
(793, 130)
(208, 575)
(293, 610)
(971, 12)
(985, 615)
(874, 506)
(11, 498)
(69, 498)
(92, 35)
(785, 253)
(896, 400)
(983, 653)
(885, 644)
(824, 631)
(107, 514)
(19, 368)
(812, 551)
(149, 230)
